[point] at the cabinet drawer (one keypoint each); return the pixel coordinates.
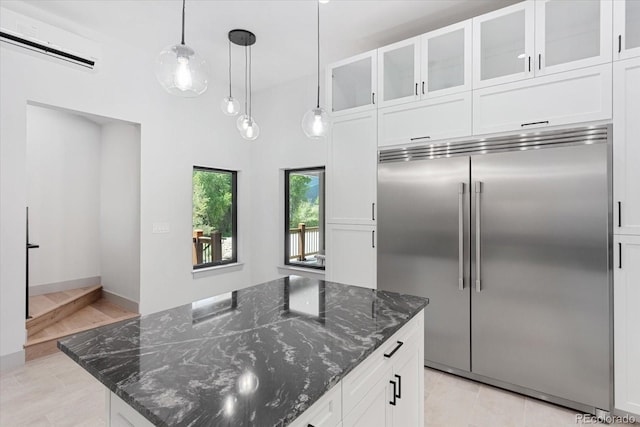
(570, 97)
(363, 378)
(424, 121)
(122, 415)
(326, 412)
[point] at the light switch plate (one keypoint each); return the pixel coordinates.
(161, 227)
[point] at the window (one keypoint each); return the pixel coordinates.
(304, 217)
(215, 216)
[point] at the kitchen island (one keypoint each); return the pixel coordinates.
(293, 351)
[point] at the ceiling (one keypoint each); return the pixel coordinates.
(285, 29)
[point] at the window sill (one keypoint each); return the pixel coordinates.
(217, 269)
(308, 272)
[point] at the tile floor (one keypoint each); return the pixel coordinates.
(54, 391)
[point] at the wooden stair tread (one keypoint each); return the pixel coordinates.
(99, 313)
(42, 304)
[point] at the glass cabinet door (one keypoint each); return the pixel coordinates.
(503, 45)
(352, 84)
(399, 72)
(626, 22)
(572, 34)
(446, 60)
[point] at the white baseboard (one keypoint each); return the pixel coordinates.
(11, 360)
(64, 286)
(121, 301)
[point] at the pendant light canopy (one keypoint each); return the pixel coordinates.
(246, 124)
(316, 122)
(180, 70)
(230, 106)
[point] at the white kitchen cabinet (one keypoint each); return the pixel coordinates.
(626, 29)
(626, 146)
(503, 45)
(399, 72)
(435, 64)
(352, 84)
(424, 121)
(571, 97)
(571, 34)
(446, 60)
(352, 169)
(351, 254)
(373, 409)
(626, 320)
(120, 414)
(397, 367)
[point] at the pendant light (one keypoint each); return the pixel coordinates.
(230, 106)
(247, 126)
(316, 123)
(180, 70)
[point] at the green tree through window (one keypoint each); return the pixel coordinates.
(214, 216)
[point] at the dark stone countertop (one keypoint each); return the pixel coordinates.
(259, 356)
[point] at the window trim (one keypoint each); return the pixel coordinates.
(234, 217)
(287, 173)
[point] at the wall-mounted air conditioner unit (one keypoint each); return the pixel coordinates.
(35, 36)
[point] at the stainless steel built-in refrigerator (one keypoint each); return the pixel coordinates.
(510, 239)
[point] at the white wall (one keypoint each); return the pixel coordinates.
(282, 145)
(63, 183)
(176, 133)
(120, 209)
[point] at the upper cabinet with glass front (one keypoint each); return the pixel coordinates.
(352, 84)
(434, 64)
(503, 45)
(626, 29)
(446, 60)
(399, 72)
(571, 34)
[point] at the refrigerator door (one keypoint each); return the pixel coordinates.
(540, 303)
(423, 248)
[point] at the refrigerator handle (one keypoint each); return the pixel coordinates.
(461, 236)
(478, 190)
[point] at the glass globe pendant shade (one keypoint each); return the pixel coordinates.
(316, 123)
(251, 131)
(181, 71)
(230, 106)
(243, 122)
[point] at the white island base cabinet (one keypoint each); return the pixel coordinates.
(385, 390)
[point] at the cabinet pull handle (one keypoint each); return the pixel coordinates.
(539, 61)
(393, 402)
(529, 64)
(373, 211)
(619, 214)
(423, 88)
(310, 425)
(373, 238)
(419, 137)
(416, 89)
(373, 97)
(397, 347)
(619, 43)
(535, 123)
(620, 255)
(399, 396)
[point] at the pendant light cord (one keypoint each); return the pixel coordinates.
(183, 2)
(246, 67)
(318, 43)
(250, 79)
(229, 69)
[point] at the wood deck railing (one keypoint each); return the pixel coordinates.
(206, 249)
(303, 241)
